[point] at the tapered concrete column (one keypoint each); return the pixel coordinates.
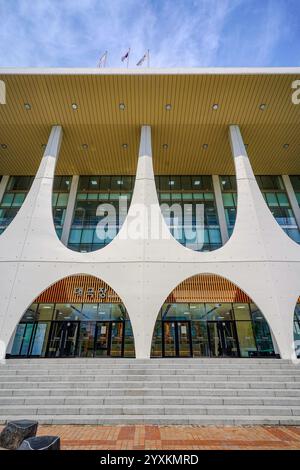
(70, 210)
(31, 231)
(3, 185)
(292, 197)
(220, 208)
(258, 235)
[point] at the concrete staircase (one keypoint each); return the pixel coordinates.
(157, 391)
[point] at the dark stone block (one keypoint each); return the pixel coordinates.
(16, 431)
(41, 443)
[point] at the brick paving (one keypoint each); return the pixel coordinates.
(174, 437)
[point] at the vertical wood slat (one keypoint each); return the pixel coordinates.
(63, 291)
(207, 288)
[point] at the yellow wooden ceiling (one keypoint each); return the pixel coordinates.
(190, 123)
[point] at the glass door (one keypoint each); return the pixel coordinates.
(102, 338)
(223, 339)
(62, 339)
(116, 339)
(184, 343)
(177, 339)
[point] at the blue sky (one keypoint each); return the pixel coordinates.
(74, 33)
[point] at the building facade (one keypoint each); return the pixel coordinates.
(150, 214)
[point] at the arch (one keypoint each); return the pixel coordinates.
(101, 207)
(14, 196)
(77, 316)
(181, 200)
(207, 315)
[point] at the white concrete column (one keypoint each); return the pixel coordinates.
(29, 232)
(70, 210)
(3, 185)
(258, 235)
(292, 197)
(220, 208)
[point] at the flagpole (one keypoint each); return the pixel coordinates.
(148, 58)
(128, 57)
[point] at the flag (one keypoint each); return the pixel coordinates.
(142, 59)
(102, 60)
(125, 56)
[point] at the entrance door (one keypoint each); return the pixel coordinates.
(177, 339)
(63, 339)
(109, 339)
(223, 339)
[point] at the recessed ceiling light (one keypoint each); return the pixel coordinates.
(3, 146)
(94, 182)
(171, 183)
(205, 146)
(27, 106)
(196, 183)
(122, 106)
(85, 146)
(120, 182)
(168, 107)
(74, 106)
(215, 106)
(125, 146)
(285, 146)
(262, 106)
(165, 146)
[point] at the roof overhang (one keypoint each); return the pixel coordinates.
(189, 124)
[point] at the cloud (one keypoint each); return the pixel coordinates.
(177, 32)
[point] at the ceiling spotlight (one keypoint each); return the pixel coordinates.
(3, 146)
(122, 106)
(165, 146)
(262, 106)
(85, 146)
(215, 106)
(74, 106)
(205, 146)
(27, 106)
(285, 146)
(168, 107)
(125, 146)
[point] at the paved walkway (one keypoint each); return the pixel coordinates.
(174, 437)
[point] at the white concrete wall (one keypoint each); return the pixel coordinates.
(259, 257)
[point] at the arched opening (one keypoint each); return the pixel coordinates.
(189, 207)
(297, 328)
(209, 316)
(78, 316)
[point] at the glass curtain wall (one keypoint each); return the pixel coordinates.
(17, 190)
(13, 198)
(297, 329)
(184, 194)
(94, 191)
(229, 196)
(211, 329)
(274, 193)
(295, 180)
(74, 330)
(60, 196)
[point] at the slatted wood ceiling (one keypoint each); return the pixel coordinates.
(200, 288)
(190, 123)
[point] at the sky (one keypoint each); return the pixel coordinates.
(186, 33)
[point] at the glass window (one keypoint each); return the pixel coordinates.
(92, 192)
(219, 311)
